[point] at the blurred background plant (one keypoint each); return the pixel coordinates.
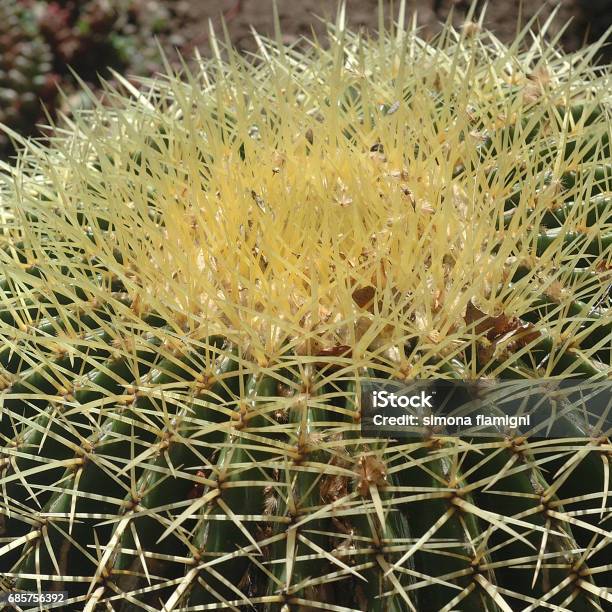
(41, 41)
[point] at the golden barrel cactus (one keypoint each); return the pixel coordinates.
(200, 275)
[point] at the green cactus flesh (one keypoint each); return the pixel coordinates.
(197, 279)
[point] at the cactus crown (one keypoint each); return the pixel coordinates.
(291, 189)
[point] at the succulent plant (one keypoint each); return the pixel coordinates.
(41, 42)
(90, 36)
(199, 277)
(26, 74)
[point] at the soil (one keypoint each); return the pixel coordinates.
(588, 18)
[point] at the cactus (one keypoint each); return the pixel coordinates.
(25, 71)
(90, 35)
(199, 276)
(41, 42)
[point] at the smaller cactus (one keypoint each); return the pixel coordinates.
(40, 40)
(26, 72)
(81, 33)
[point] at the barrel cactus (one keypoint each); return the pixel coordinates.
(199, 276)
